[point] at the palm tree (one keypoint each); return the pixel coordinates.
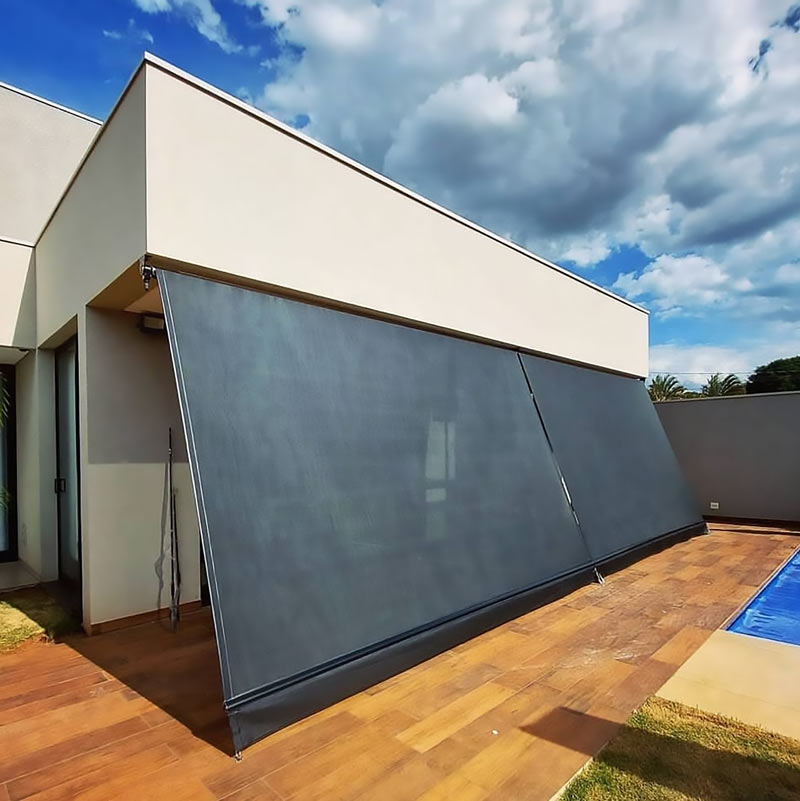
(717, 385)
(665, 387)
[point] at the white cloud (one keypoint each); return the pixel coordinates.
(572, 127)
(133, 32)
(694, 363)
(202, 15)
(593, 249)
(243, 93)
(153, 6)
(677, 284)
(633, 122)
(788, 274)
(341, 29)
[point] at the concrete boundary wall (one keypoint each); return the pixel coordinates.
(741, 452)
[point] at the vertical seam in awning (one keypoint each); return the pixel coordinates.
(560, 472)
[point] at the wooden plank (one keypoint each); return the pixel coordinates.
(137, 713)
(15, 764)
(257, 791)
(682, 645)
(38, 690)
(137, 620)
(75, 695)
(513, 713)
(441, 724)
(406, 781)
(107, 757)
(102, 784)
(454, 788)
(275, 753)
(426, 700)
(499, 760)
(340, 772)
(49, 728)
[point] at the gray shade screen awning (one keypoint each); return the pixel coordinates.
(624, 480)
(358, 483)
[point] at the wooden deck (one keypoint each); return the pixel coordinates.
(136, 714)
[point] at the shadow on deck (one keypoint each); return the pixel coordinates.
(176, 671)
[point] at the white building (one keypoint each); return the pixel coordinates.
(182, 177)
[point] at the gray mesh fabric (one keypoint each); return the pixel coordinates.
(623, 477)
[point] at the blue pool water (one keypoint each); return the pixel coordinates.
(774, 613)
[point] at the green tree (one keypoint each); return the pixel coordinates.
(719, 385)
(665, 387)
(781, 375)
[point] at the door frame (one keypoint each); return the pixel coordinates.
(72, 341)
(11, 554)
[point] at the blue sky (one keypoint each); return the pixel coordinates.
(59, 49)
(648, 146)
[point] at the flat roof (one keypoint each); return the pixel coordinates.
(149, 58)
(231, 100)
(50, 103)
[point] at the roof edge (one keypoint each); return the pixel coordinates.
(198, 83)
(51, 103)
(729, 397)
(23, 243)
(90, 147)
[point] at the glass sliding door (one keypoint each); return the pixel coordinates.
(67, 483)
(8, 534)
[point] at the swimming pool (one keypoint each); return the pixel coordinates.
(774, 613)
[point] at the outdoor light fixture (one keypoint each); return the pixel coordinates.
(152, 323)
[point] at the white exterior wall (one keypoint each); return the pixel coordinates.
(183, 174)
(98, 229)
(40, 146)
(229, 191)
(17, 296)
(128, 400)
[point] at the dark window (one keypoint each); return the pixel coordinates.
(8, 518)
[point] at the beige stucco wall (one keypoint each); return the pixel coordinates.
(227, 190)
(17, 295)
(182, 174)
(36, 453)
(98, 229)
(40, 146)
(128, 401)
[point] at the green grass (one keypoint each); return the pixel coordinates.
(31, 614)
(671, 752)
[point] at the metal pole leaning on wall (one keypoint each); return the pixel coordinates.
(175, 565)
